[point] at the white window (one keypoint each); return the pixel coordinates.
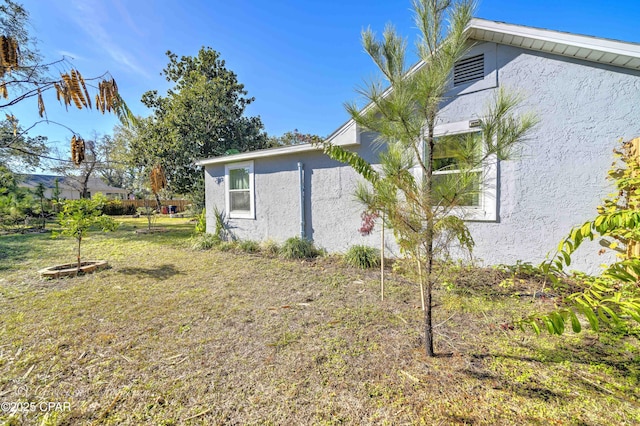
(457, 170)
(458, 176)
(239, 190)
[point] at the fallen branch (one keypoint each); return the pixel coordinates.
(207, 411)
(28, 372)
(414, 379)
(111, 406)
(174, 357)
(403, 320)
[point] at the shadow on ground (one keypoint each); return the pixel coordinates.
(14, 247)
(162, 272)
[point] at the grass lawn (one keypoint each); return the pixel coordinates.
(169, 336)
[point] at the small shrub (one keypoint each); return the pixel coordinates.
(205, 242)
(149, 212)
(222, 227)
(117, 208)
(519, 273)
(79, 216)
(249, 246)
(227, 245)
(201, 223)
(362, 257)
(270, 247)
(298, 248)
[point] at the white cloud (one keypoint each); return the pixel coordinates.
(92, 16)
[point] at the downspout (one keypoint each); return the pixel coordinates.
(301, 179)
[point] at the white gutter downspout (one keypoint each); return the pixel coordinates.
(301, 178)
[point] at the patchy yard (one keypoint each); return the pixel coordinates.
(172, 336)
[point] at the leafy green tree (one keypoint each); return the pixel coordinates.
(55, 194)
(39, 192)
(115, 166)
(403, 111)
(79, 216)
(18, 151)
(293, 138)
(16, 203)
(201, 116)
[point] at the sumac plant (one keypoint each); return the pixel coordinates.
(613, 298)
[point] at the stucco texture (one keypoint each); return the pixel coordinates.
(332, 215)
(555, 183)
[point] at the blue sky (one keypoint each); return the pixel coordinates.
(301, 60)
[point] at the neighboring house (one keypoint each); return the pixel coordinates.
(70, 189)
(584, 90)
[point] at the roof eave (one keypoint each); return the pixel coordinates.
(347, 135)
(593, 49)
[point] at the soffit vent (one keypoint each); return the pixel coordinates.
(468, 70)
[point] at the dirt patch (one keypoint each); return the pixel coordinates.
(151, 231)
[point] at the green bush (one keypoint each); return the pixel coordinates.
(227, 245)
(205, 242)
(116, 208)
(298, 248)
(363, 257)
(270, 247)
(201, 223)
(249, 246)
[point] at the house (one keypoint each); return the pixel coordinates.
(585, 91)
(70, 189)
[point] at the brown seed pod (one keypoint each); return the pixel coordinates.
(84, 88)
(40, 104)
(9, 53)
(158, 179)
(77, 150)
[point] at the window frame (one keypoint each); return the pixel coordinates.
(487, 208)
(479, 169)
(239, 214)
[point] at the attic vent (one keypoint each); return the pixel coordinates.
(468, 70)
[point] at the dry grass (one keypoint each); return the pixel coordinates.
(173, 336)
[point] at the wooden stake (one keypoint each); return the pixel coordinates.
(420, 280)
(382, 261)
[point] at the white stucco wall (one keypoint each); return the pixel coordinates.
(556, 183)
(332, 214)
(559, 178)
